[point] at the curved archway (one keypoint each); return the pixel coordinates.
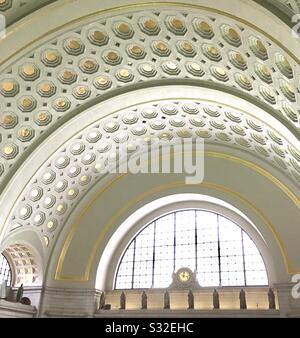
(118, 243)
(162, 70)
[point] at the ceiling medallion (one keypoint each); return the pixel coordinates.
(219, 73)
(9, 151)
(160, 48)
(149, 26)
(147, 69)
(74, 46)
(284, 66)
(230, 35)
(9, 87)
(237, 60)
(67, 76)
(98, 37)
(175, 25)
(42, 118)
(123, 30)
(135, 51)
(102, 82)
(212, 52)
(258, 48)
(263, 72)
(186, 48)
(51, 58)
(9, 120)
(203, 29)
(112, 57)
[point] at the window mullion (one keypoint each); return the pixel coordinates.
(153, 257)
(244, 263)
(219, 251)
(174, 260)
(133, 263)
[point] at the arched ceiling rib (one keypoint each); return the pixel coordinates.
(78, 165)
(50, 84)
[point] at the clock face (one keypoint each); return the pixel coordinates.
(184, 276)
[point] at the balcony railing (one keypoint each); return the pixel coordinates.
(248, 299)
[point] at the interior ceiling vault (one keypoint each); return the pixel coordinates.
(46, 87)
(78, 68)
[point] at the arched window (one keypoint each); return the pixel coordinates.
(5, 270)
(216, 248)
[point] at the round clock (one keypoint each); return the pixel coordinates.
(184, 276)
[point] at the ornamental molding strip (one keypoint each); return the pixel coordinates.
(48, 86)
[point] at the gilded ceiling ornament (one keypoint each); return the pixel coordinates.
(195, 69)
(81, 92)
(258, 48)
(212, 52)
(124, 75)
(48, 177)
(9, 87)
(5, 5)
(74, 46)
(9, 151)
(149, 26)
(61, 104)
(263, 72)
(147, 69)
(51, 58)
(112, 57)
(46, 89)
(284, 65)
(97, 37)
(243, 81)
(25, 133)
(237, 60)
(102, 82)
(230, 35)
(135, 51)
(219, 73)
(186, 48)
(160, 48)
(170, 68)
(42, 118)
(89, 65)
(176, 25)
(27, 103)
(123, 30)
(203, 28)
(9, 120)
(67, 76)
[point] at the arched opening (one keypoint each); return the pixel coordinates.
(5, 271)
(214, 247)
